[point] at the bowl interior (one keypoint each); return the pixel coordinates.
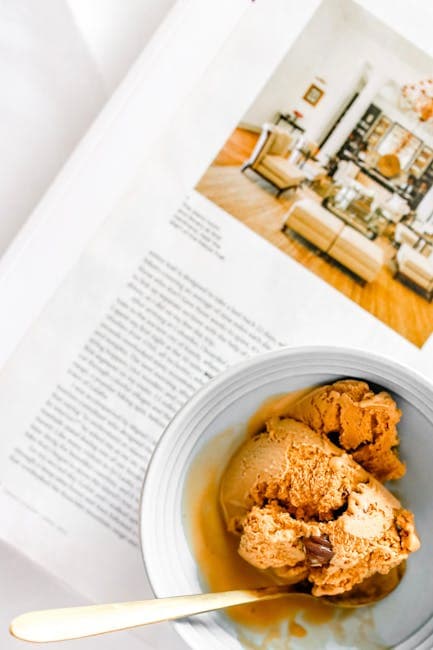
(229, 401)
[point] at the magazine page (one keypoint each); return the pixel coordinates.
(106, 161)
(297, 233)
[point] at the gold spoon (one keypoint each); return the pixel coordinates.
(78, 622)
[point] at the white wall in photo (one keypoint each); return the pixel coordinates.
(351, 51)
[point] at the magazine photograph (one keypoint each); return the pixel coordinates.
(333, 164)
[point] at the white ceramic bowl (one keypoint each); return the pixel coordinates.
(404, 620)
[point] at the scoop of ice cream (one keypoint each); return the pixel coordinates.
(360, 421)
(305, 509)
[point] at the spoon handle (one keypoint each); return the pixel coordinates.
(77, 622)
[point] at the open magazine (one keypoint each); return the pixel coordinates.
(283, 198)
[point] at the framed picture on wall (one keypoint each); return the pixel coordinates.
(313, 95)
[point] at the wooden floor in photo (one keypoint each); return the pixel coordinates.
(252, 201)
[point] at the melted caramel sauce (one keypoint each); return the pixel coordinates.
(223, 568)
(215, 549)
(297, 630)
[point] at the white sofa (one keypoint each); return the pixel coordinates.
(314, 223)
(357, 253)
(329, 233)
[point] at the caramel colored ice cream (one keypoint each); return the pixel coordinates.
(306, 510)
(358, 420)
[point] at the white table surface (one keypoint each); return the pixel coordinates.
(60, 61)
(25, 587)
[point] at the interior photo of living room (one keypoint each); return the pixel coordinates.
(333, 164)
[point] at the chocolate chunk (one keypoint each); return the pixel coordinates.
(318, 550)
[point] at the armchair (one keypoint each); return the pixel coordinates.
(270, 159)
(405, 235)
(415, 270)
